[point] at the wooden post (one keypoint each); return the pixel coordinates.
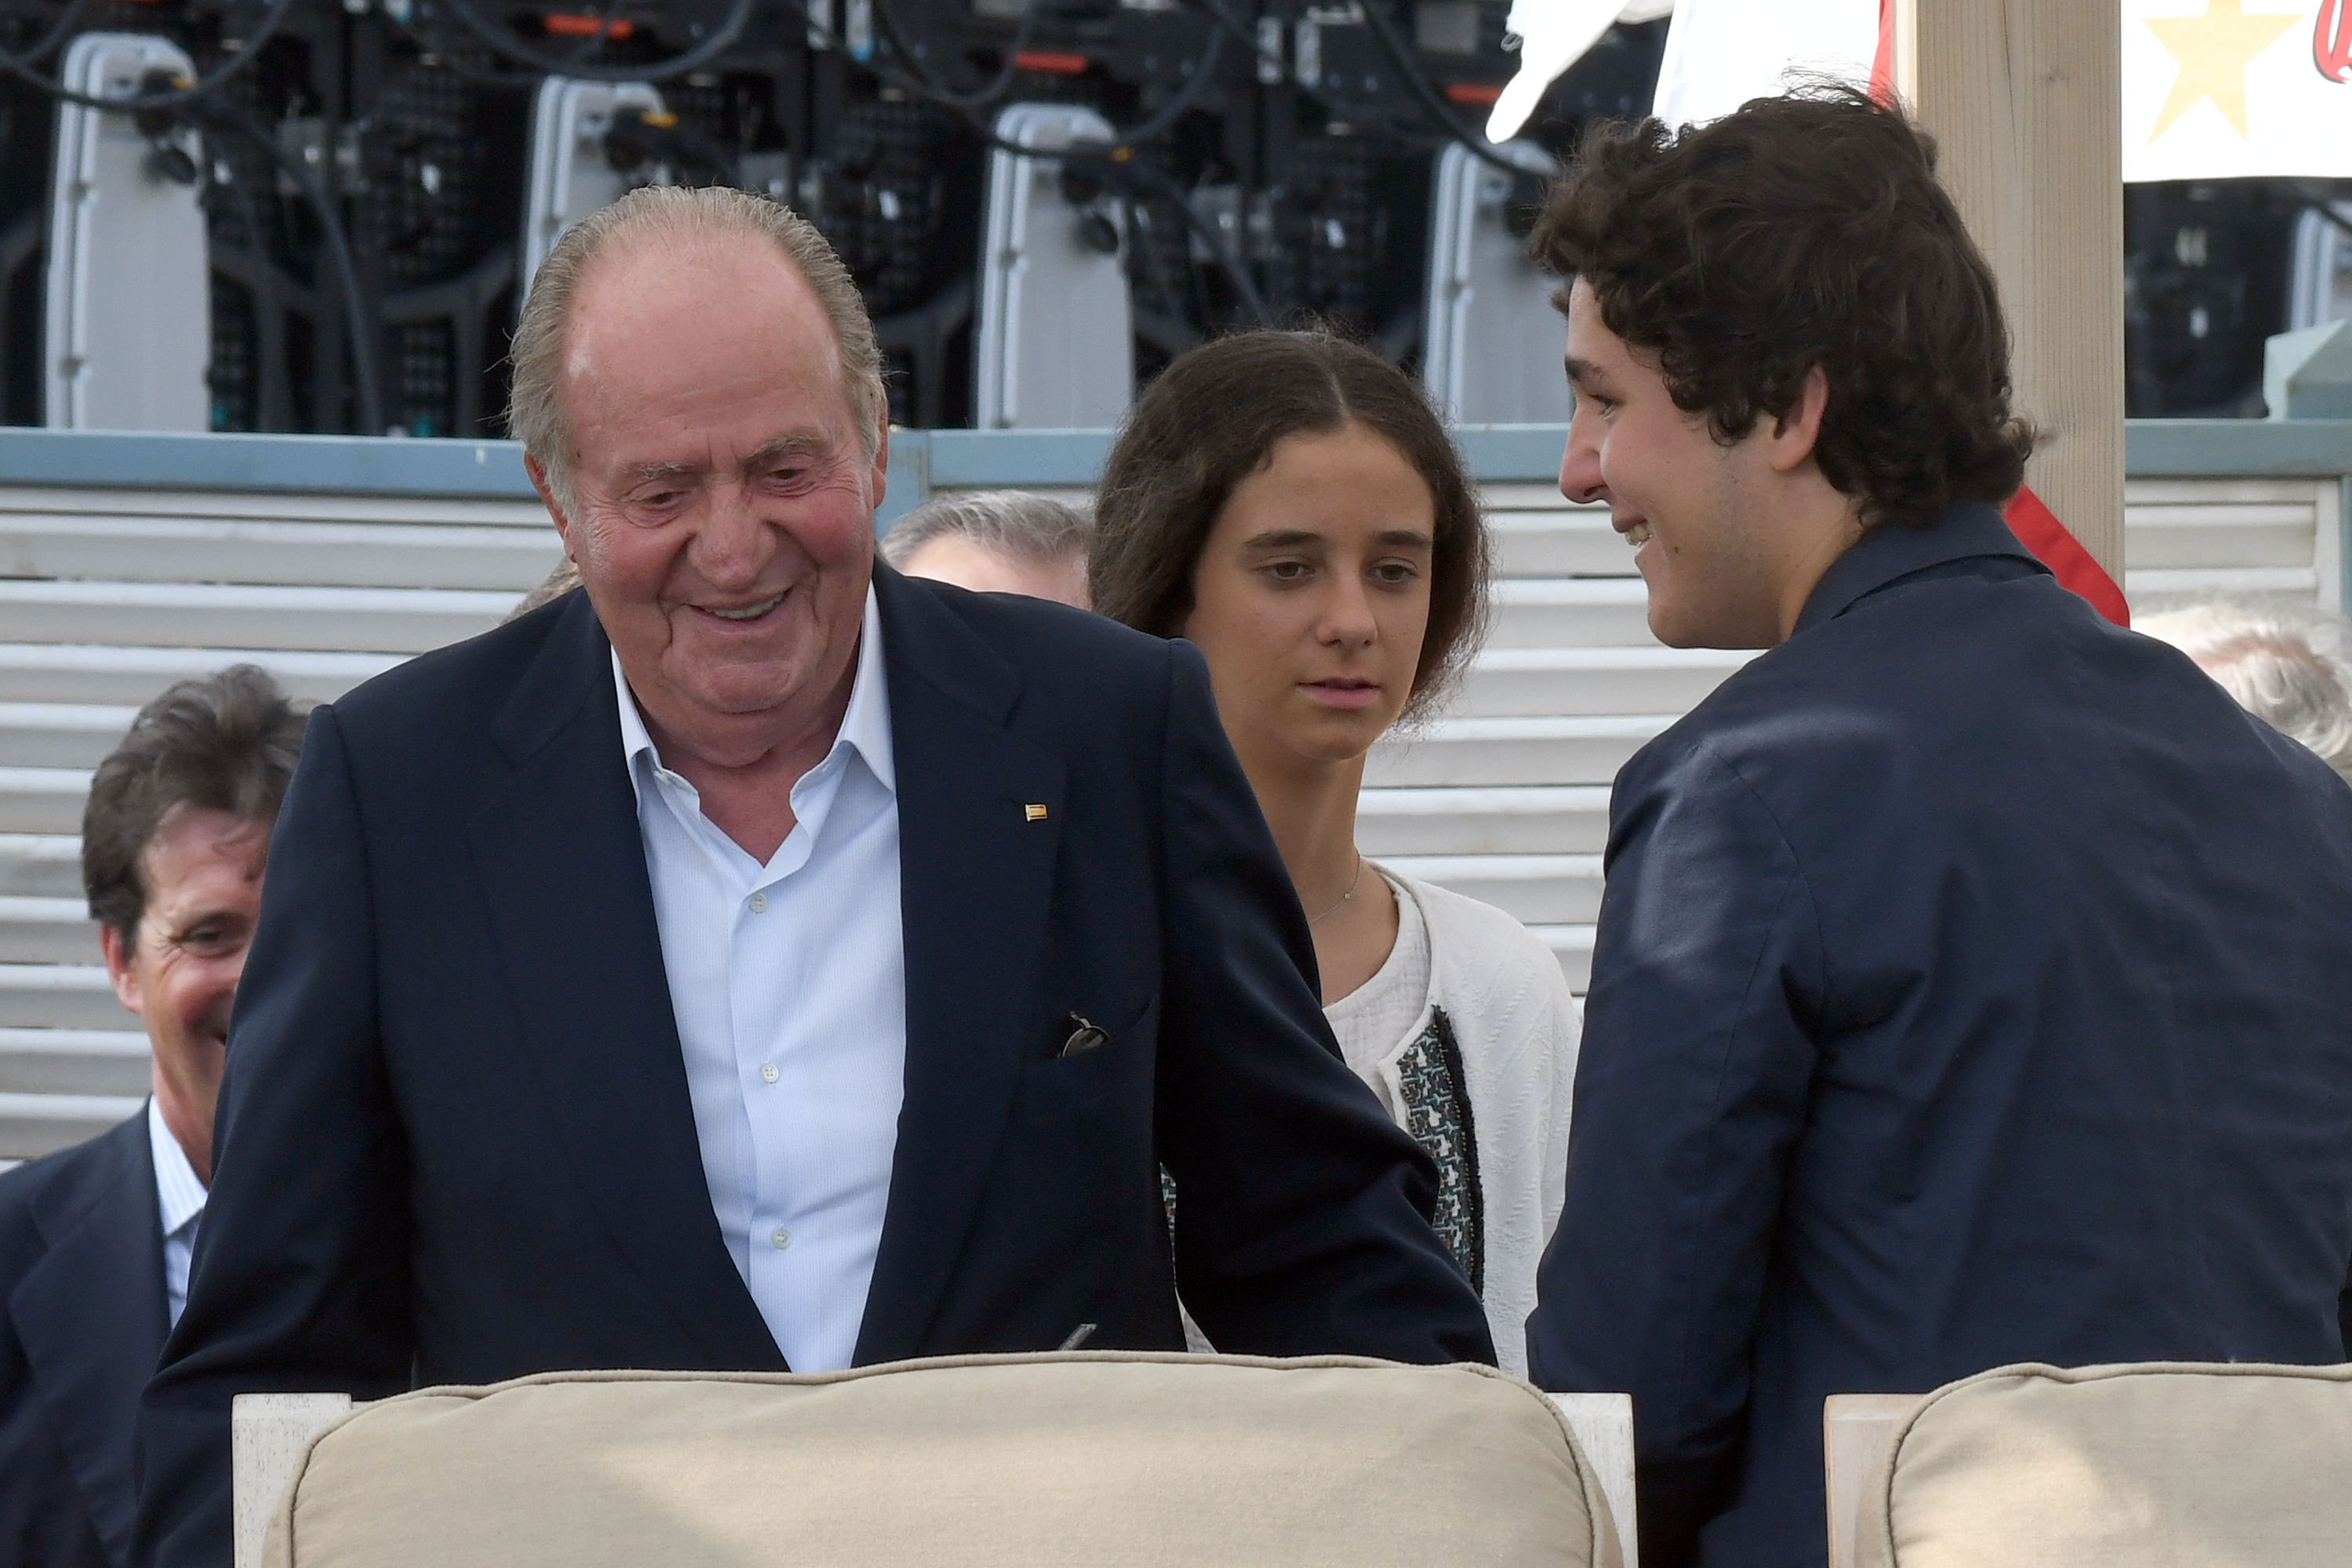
(1856, 1429)
(2023, 97)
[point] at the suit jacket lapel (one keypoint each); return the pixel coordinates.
(92, 1316)
(976, 881)
(564, 873)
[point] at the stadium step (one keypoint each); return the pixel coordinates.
(74, 1061)
(58, 735)
(1569, 612)
(32, 1125)
(1535, 889)
(41, 800)
(1571, 819)
(40, 865)
(60, 996)
(1572, 945)
(46, 931)
(151, 548)
(1514, 751)
(1544, 536)
(80, 673)
(1526, 682)
(247, 616)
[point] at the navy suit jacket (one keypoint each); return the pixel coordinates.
(1973, 985)
(82, 1316)
(454, 1136)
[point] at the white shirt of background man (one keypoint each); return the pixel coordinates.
(789, 985)
(180, 1199)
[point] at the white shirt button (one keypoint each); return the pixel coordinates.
(781, 1238)
(768, 1073)
(758, 903)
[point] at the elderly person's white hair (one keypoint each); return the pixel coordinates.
(1019, 524)
(678, 216)
(2286, 667)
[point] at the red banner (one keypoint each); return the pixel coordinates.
(2038, 528)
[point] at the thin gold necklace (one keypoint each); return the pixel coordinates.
(1351, 893)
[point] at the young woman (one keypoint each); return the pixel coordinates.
(1291, 504)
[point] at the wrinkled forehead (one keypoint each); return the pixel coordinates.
(660, 314)
(195, 845)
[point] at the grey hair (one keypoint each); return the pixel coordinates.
(227, 742)
(535, 413)
(1017, 523)
(2288, 668)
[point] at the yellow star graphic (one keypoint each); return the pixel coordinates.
(2213, 51)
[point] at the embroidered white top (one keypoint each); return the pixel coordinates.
(789, 985)
(180, 1197)
(1370, 1021)
(1493, 1023)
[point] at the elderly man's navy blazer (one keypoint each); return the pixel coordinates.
(1973, 985)
(456, 1140)
(82, 1316)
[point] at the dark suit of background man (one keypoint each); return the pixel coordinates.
(1973, 978)
(94, 1240)
(762, 959)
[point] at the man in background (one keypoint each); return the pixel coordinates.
(1971, 979)
(994, 542)
(95, 1240)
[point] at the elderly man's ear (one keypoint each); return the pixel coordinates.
(882, 463)
(538, 472)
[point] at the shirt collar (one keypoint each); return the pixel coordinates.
(865, 727)
(1893, 550)
(178, 1193)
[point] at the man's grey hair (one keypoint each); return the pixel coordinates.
(535, 412)
(1016, 523)
(2290, 668)
(227, 741)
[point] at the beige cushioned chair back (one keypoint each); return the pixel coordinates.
(2159, 1465)
(1022, 1461)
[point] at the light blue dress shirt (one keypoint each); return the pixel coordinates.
(180, 1197)
(789, 985)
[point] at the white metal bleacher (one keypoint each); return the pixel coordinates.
(127, 563)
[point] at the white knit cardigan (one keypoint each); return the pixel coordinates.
(1516, 1028)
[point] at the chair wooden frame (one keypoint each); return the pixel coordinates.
(1856, 1429)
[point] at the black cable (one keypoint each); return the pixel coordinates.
(49, 40)
(202, 87)
(365, 389)
(1111, 167)
(1431, 100)
(505, 43)
(1110, 164)
(1011, 67)
(1216, 11)
(1353, 111)
(1171, 111)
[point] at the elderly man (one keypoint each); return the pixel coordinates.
(94, 1241)
(994, 542)
(763, 960)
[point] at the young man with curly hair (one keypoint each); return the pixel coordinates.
(1972, 982)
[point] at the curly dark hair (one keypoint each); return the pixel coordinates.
(1800, 231)
(227, 741)
(1212, 418)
